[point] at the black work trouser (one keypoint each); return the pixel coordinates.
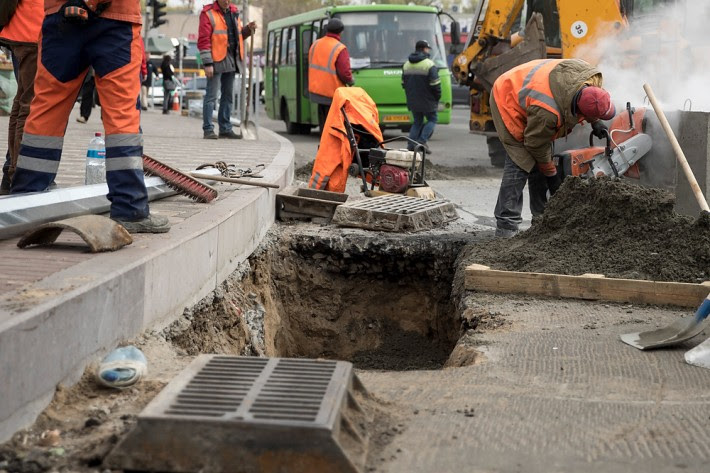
(87, 97)
(509, 207)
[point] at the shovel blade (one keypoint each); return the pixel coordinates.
(677, 332)
(700, 355)
(249, 131)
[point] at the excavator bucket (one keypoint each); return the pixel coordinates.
(531, 48)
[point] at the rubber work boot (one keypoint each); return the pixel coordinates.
(505, 233)
(230, 134)
(150, 224)
(210, 135)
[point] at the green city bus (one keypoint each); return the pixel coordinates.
(379, 39)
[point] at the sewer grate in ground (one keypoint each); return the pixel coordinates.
(229, 413)
(395, 213)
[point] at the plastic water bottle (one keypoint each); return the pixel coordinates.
(96, 160)
(123, 367)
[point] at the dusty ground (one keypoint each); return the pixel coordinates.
(460, 381)
(432, 171)
(609, 227)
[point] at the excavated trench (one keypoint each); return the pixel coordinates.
(383, 302)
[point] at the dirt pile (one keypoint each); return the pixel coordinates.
(609, 227)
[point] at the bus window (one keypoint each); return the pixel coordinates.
(292, 46)
(270, 49)
(386, 39)
(277, 47)
(284, 47)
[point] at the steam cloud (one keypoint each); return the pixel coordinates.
(669, 48)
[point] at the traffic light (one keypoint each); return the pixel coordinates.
(158, 12)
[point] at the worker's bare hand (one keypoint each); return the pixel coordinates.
(209, 71)
(252, 26)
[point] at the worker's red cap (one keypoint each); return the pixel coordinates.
(595, 102)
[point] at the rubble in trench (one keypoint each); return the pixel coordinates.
(383, 302)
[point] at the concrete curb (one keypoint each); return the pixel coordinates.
(50, 330)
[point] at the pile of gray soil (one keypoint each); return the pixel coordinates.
(607, 227)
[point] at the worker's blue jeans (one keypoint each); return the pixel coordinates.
(222, 83)
(509, 207)
(420, 131)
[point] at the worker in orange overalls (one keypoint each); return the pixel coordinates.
(21, 34)
(221, 46)
(328, 68)
(532, 105)
(77, 34)
(330, 169)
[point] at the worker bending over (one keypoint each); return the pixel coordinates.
(532, 105)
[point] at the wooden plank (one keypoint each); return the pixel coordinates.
(588, 287)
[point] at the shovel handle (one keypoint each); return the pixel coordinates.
(678, 151)
(232, 180)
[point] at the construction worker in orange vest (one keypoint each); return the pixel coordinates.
(20, 34)
(532, 105)
(77, 34)
(222, 53)
(328, 68)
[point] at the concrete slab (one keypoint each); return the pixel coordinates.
(70, 311)
(556, 391)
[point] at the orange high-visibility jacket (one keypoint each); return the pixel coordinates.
(26, 23)
(121, 10)
(322, 76)
(330, 170)
(524, 86)
(220, 35)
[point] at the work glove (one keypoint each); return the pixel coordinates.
(80, 11)
(549, 170)
(599, 129)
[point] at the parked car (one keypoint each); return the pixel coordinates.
(194, 88)
(155, 93)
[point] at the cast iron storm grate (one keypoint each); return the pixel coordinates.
(224, 413)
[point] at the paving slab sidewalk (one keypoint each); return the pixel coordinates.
(61, 306)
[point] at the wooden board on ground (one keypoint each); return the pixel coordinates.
(586, 286)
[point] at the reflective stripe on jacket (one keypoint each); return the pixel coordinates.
(220, 35)
(525, 86)
(25, 24)
(323, 78)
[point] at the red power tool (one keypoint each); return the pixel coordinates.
(626, 144)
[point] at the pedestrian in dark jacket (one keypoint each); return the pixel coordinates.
(421, 82)
(166, 68)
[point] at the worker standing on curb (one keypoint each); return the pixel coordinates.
(328, 68)
(221, 52)
(104, 34)
(422, 85)
(20, 34)
(532, 105)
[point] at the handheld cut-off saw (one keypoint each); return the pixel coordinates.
(626, 144)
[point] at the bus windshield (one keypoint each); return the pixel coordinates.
(386, 39)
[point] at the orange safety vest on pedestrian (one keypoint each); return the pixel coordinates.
(26, 23)
(330, 169)
(220, 36)
(524, 86)
(322, 76)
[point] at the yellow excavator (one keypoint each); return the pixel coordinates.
(553, 28)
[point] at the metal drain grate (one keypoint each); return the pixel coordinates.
(223, 411)
(395, 213)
